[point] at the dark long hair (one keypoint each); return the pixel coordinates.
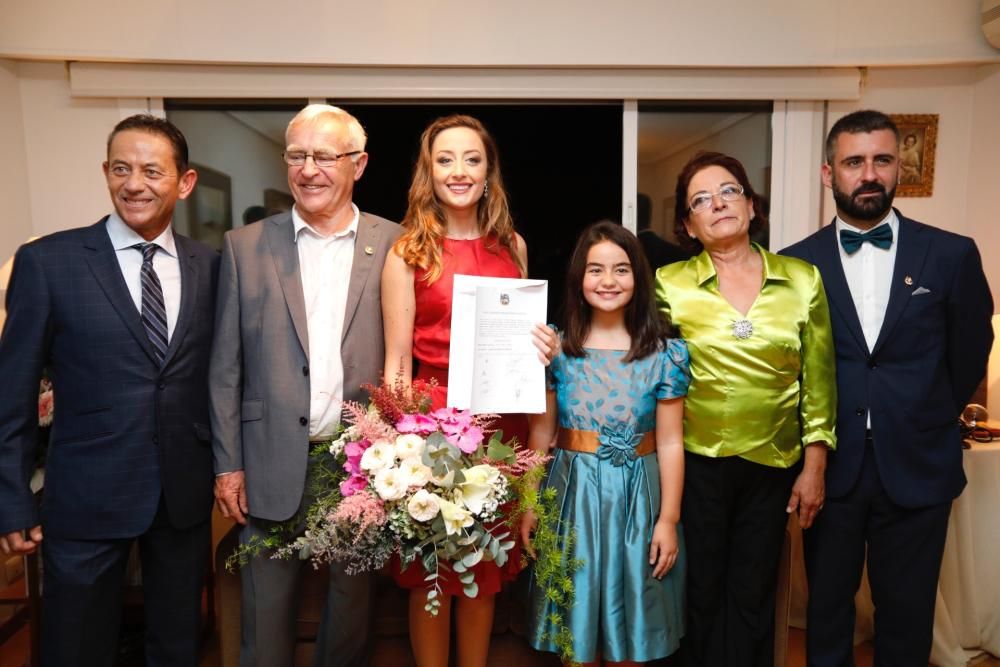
(645, 324)
(703, 160)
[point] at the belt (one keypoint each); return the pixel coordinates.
(587, 442)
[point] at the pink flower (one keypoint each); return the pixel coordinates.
(452, 420)
(467, 440)
(354, 451)
(45, 408)
(352, 485)
(416, 423)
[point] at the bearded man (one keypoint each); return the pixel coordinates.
(910, 309)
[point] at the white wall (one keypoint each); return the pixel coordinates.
(513, 32)
(15, 224)
(983, 210)
(65, 141)
(748, 140)
(253, 161)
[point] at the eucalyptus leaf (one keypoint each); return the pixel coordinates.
(470, 559)
(458, 567)
(471, 590)
(467, 577)
(498, 451)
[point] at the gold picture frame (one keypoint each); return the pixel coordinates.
(917, 148)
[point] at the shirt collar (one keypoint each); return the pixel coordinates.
(299, 224)
(772, 270)
(122, 236)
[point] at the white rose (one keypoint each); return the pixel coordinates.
(479, 486)
(445, 482)
(423, 506)
(390, 484)
(382, 454)
(415, 472)
(455, 518)
(409, 445)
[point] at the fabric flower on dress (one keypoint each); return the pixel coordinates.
(618, 440)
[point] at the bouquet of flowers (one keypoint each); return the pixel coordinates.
(403, 480)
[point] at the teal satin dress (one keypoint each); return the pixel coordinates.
(612, 500)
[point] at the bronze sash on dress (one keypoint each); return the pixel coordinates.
(587, 442)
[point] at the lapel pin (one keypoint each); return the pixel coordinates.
(371, 251)
(908, 280)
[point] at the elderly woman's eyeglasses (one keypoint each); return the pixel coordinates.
(702, 200)
(298, 158)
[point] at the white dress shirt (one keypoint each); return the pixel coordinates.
(325, 269)
(165, 263)
(869, 276)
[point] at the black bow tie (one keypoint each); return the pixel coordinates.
(880, 237)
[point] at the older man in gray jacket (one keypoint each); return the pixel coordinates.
(298, 331)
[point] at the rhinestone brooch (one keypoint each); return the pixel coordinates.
(742, 329)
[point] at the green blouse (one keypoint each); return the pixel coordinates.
(765, 396)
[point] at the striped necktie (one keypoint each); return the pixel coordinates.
(154, 314)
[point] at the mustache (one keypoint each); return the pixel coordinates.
(865, 188)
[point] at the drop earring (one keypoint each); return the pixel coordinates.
(486, 190)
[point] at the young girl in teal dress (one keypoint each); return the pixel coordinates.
(615, 411)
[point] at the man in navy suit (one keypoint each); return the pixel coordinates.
(120, 313)
(911, 310)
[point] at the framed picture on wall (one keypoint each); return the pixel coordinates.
(917, 147)
(210, 207)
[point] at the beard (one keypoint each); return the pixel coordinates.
(869, 208)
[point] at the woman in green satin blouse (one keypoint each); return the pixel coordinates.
(760, 411)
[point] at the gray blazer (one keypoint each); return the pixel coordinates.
(259, 372)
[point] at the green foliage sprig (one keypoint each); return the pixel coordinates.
(554, 563)
(321, 497)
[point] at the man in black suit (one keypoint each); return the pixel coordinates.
(120, 313)
(658, 251)
(910, 309)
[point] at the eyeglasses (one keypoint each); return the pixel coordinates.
(298, 158)
(702, 200)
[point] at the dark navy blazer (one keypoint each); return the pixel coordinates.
(930, 355)
(124, 430)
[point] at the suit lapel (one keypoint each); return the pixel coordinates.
(189, 295)
(103, 263)
(281, 238)
(827, 255)
(910, 255)
(364, 257)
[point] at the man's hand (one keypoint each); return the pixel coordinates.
(17, 543)
(231, 496)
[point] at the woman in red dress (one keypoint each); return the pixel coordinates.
(457, 221)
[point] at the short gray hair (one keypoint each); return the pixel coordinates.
(314, 112)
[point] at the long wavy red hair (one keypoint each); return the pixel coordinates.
(425, 223)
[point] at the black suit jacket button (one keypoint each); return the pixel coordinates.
(303, 421)
(872, 365)
(305, 370)
(162, 385)
(860, 412)
(156, 439)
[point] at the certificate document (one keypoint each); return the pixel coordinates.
(493, 364)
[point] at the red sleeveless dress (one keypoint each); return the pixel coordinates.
(431, 342)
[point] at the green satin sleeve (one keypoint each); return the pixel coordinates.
(818, 393)
(762, 397)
